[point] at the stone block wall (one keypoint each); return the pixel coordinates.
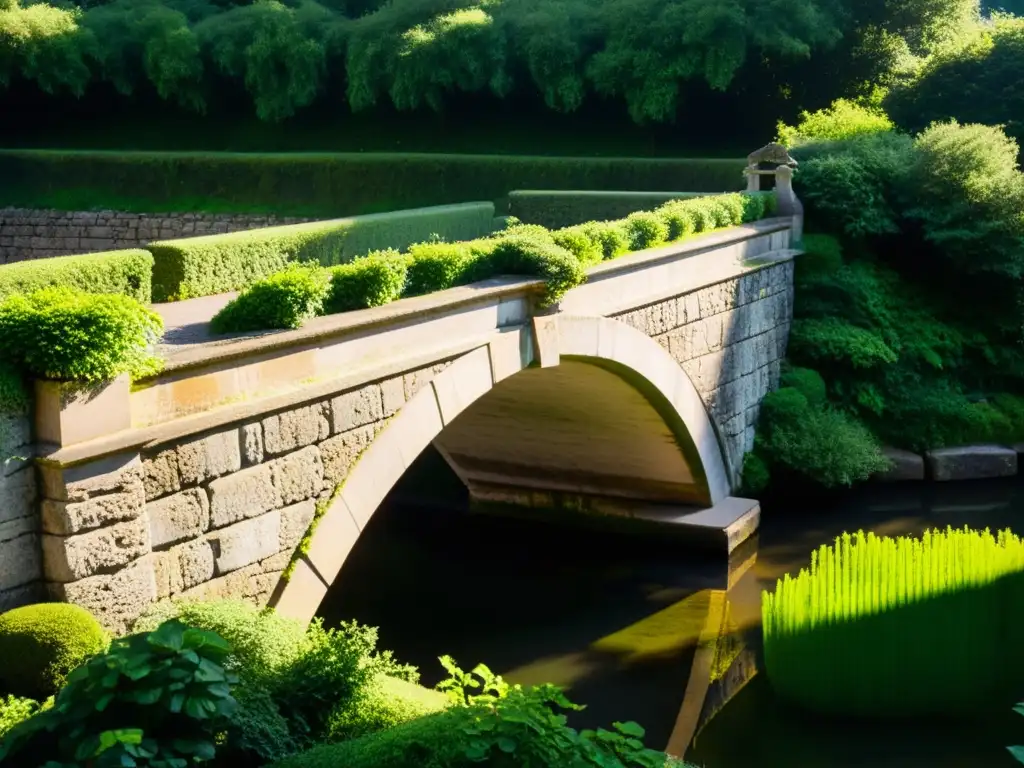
(36, 234)
(21, 566)
(217, 515)
(730, 338)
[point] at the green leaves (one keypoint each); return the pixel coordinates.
(65, 334)
(156, 700)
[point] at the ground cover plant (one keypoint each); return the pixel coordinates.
(881, 626)
(559, 258)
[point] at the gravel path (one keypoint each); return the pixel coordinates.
(187, 323)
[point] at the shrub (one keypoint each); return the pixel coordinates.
(322, 184)
(383, 703)
(565, 208)
(533, 256)
(807, 382)
(285, 300)
(824, 445)
(822, 256)
(582, 242)
(645, 230)
(610, 235)
(60, 333)
(162, 697)
(852, 187)
(756, 475)
(202, 266)
(842, 120)
(15, 710)
(679, 218)
(864, 629)
(439, 266)
(755, 207)
(129, 273)
(503, 726)
(968, 195)
(370, 281)
(41, 644)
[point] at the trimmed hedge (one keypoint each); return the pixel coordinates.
(40, 644)
(565, 208)
(128, 272)
(64, 334)
(204, 266)
(324, 184)
(560, 258)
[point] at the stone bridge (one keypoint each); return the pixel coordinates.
(250, 465)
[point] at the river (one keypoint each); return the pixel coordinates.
(645, 629)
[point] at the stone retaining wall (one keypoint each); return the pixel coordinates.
(21, 568)
(730, 338)
(35, 234)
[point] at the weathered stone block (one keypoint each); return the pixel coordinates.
(17, 494)
(358, 408)
(27, 594)
(290, 430)
(183, 567)
(116, 599)
(252, 444)
(295, 521)
(179, 517)
(160, 475)
(69, 517)
(340, 453)
(299, 475)
(905, 466)
(247, 542)
(20, 561)
(392, 395)
(68, 413)
(971, 462)
(70, 558)
(247, 493)
(209, 457)
(111, 474)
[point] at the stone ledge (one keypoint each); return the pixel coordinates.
(971, 462)
(905, 466)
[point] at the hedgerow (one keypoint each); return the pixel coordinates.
(324, 184)
(64, 334)
(203, 266)
(559, 258)
(128, 272)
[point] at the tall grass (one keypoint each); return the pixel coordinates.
(900, 626)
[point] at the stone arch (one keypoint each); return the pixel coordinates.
(601, 342)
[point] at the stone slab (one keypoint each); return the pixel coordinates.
(971, 462)
(724, 526)
(906, 465)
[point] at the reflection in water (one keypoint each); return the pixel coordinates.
(643, 629)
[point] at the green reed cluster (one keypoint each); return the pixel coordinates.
(900, 626)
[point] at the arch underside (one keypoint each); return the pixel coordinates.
(566, 405)
(576, 428)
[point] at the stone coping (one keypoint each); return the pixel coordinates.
(420, 307)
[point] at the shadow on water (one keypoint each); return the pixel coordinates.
(642, 629)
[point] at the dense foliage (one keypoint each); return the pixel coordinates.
(67, 335)
(648, 54)
(224, 683)
(496, 724)
(926, 230)
(160, 698)
(864, 629)
(559, 258)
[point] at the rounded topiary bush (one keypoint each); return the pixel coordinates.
(40, 644)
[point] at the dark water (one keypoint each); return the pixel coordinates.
(645, 629)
